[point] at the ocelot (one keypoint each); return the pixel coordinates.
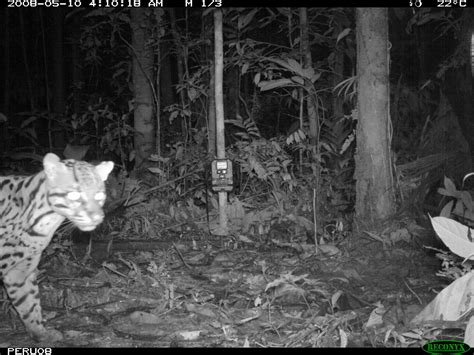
(31, 209)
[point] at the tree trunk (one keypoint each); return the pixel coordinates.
(312, 110)
(59, 91)
(142, 70)
(58, 83)
(219, 97)
(308, 62)
(6, 80)
(180, 68)
(211, 145)
(208, 50)
(166, 81)
(159, 14)
(373, 174)
(179, 51)
(26, 62)
(458, 84)
(337, 66)
(76, 62)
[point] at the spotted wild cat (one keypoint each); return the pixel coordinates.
(31, 209)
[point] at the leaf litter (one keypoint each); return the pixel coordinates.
(194, 289)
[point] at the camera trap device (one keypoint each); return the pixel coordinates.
(222, 179)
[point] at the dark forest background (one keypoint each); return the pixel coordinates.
(68, 86)
(347, 128)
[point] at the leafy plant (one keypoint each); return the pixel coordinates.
(460, 206)
(455, 302)
(263, 161)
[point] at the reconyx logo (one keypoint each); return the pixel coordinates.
(446, 347)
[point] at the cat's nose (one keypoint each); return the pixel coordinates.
(97, 217)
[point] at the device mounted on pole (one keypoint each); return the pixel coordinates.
(222, 179)
(222, 228)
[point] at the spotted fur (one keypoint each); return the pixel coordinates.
(31, 209)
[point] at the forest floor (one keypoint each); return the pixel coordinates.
(196, 290)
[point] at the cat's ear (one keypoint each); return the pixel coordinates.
(104, 169)
(51, 164)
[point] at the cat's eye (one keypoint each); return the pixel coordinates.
(99, 196)
(73, 195)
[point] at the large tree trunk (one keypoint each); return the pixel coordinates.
(374, 189)
(142, 76)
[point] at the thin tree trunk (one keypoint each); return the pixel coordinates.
(26, 63)
(77, 75)
(179, 61)
(220, 137)
(59, 91)
(308, 62)
(373, 173)
(312, 110)
(46, 78)
(159, 23)
(208, 49)
(6, 79)
(338, 73)
(58, 84)
(142, 75)
(211, 148)
(219, 78)
(166, 81)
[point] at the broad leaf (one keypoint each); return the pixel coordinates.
(343, 34)
(450, 187)
(455, 236)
